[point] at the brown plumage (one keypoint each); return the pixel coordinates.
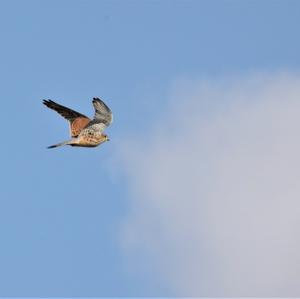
(84, 131)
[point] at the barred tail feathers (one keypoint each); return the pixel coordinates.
(68, 142)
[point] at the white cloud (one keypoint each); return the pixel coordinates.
(215, 189)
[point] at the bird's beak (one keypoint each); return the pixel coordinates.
(107, 139)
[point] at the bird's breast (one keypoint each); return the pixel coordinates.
(90, 137)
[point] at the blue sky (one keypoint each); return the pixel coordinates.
(62, 211)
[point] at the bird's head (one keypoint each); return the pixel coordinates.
(105, 138)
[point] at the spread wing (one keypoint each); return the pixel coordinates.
(102, 113)
(77, 120)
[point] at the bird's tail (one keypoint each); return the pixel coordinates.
(70, 142)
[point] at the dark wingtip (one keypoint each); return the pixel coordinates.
(97, 100)
(46, 102)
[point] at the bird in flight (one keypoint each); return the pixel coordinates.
(85, 132)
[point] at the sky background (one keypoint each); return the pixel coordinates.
(196, 193)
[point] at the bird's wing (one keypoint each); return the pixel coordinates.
(65, 112)
(102, 113)
(77, 120)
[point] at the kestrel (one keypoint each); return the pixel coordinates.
(84, 131)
